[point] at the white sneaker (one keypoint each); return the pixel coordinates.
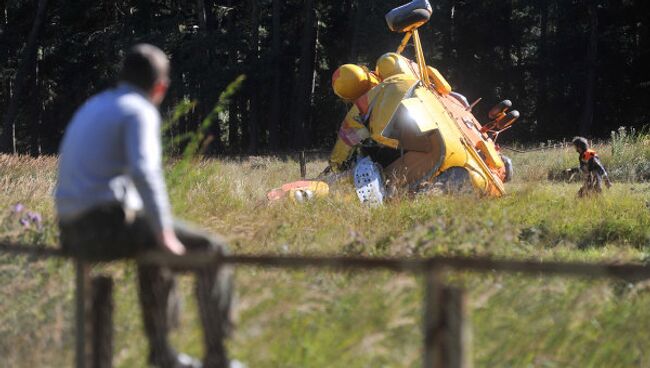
(184, 360)
(237, 364)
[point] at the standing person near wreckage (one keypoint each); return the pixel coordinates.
(112, 204)
(592, 169)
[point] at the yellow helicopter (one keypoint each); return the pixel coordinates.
(408, 128)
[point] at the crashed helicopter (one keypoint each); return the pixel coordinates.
(407, 128)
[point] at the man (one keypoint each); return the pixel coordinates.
(112, 203)
(591, 167)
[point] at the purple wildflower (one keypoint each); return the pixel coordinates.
(17, 208)
(25, 222)
(35, 218)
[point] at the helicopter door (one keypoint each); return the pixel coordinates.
(410, 120)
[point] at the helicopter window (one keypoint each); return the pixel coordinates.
(410, 118)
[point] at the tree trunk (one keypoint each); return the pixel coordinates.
(3, 16)
(234, 111)
(210, 20)
(587, 121)
(4, 55)
(450, 43)
(305, 75)
(110, 12)
(275, 125)
(11, 134)
(253, 123)
(508, 45)
(207, 20)
(35, 123)
(7, 143)
(244, 115)
(355, 29)
(233, 125)
(314, 76)
(203, 19)
(542, 79)
(207, 24)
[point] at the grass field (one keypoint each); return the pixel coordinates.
(326, 319)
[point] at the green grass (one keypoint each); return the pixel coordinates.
(326, 319)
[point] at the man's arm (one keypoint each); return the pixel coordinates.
(144, 155)
(351, 133)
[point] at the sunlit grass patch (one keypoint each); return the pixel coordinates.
(316, 318)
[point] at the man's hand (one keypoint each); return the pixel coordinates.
(170, 243)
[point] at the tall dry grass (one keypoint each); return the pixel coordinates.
(324, 319)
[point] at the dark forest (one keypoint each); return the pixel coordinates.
(570, 66)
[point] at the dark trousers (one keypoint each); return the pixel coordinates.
(107, 233)
(593, 185)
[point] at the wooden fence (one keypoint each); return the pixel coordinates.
(447, 340)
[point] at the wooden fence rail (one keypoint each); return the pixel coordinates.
(626, 271)
(447, 337)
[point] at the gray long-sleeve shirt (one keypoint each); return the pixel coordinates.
(111, 153)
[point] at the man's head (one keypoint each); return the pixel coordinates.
(147, 67)
(581, 144)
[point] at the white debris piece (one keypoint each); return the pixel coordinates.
(369, 182)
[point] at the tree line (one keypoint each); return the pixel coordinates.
(570, 66)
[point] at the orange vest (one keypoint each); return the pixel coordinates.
(588, 155)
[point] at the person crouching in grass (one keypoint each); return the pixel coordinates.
(591, 167)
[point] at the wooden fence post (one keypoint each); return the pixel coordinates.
(459, 336)
(102, 322)
(82, 314)
(303, 165)
(432, 334)
(447, 335)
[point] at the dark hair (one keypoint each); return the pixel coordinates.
(581, 143)
(144, 65)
